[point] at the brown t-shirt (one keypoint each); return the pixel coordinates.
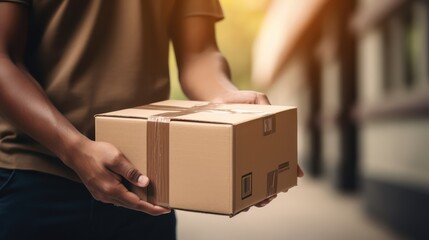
(93, 56)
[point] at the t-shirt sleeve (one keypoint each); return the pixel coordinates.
(210, 8)
(25, 2)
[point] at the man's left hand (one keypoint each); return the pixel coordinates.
(246, 97)
(250, 97)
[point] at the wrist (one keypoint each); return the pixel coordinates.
(72, 148)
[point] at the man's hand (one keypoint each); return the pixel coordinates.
(246, 97)
(250, 97)
(102, 167)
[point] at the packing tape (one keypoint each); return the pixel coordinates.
(157, 141)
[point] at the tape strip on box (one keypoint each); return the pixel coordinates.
(158, 149)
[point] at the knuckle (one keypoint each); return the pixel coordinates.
(133, 174)
(116, 159)
(110, 190)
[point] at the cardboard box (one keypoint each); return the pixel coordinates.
(216, 158)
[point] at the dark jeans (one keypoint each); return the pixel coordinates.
(35, 205)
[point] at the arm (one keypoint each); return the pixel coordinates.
(99, 165)
(203, 71)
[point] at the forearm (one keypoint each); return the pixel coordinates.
(203, 71)
(23, 102)
(206, 76)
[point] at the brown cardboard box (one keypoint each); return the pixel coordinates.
(207, 157)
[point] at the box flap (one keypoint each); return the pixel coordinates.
(195, 111)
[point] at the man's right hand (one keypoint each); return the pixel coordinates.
(102, 167)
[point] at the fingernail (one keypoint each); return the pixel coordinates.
(143, 181)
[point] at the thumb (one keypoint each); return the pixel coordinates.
(127, 170)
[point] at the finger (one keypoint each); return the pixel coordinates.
(300, 172)
(262, 99)
(127, 170)
(130, 200)
(263, 203)
(266, 201)
(143, 206)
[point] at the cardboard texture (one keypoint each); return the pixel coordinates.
(215, 158)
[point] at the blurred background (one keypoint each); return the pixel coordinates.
(358, 71)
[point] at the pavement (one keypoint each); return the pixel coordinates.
(312, 210)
